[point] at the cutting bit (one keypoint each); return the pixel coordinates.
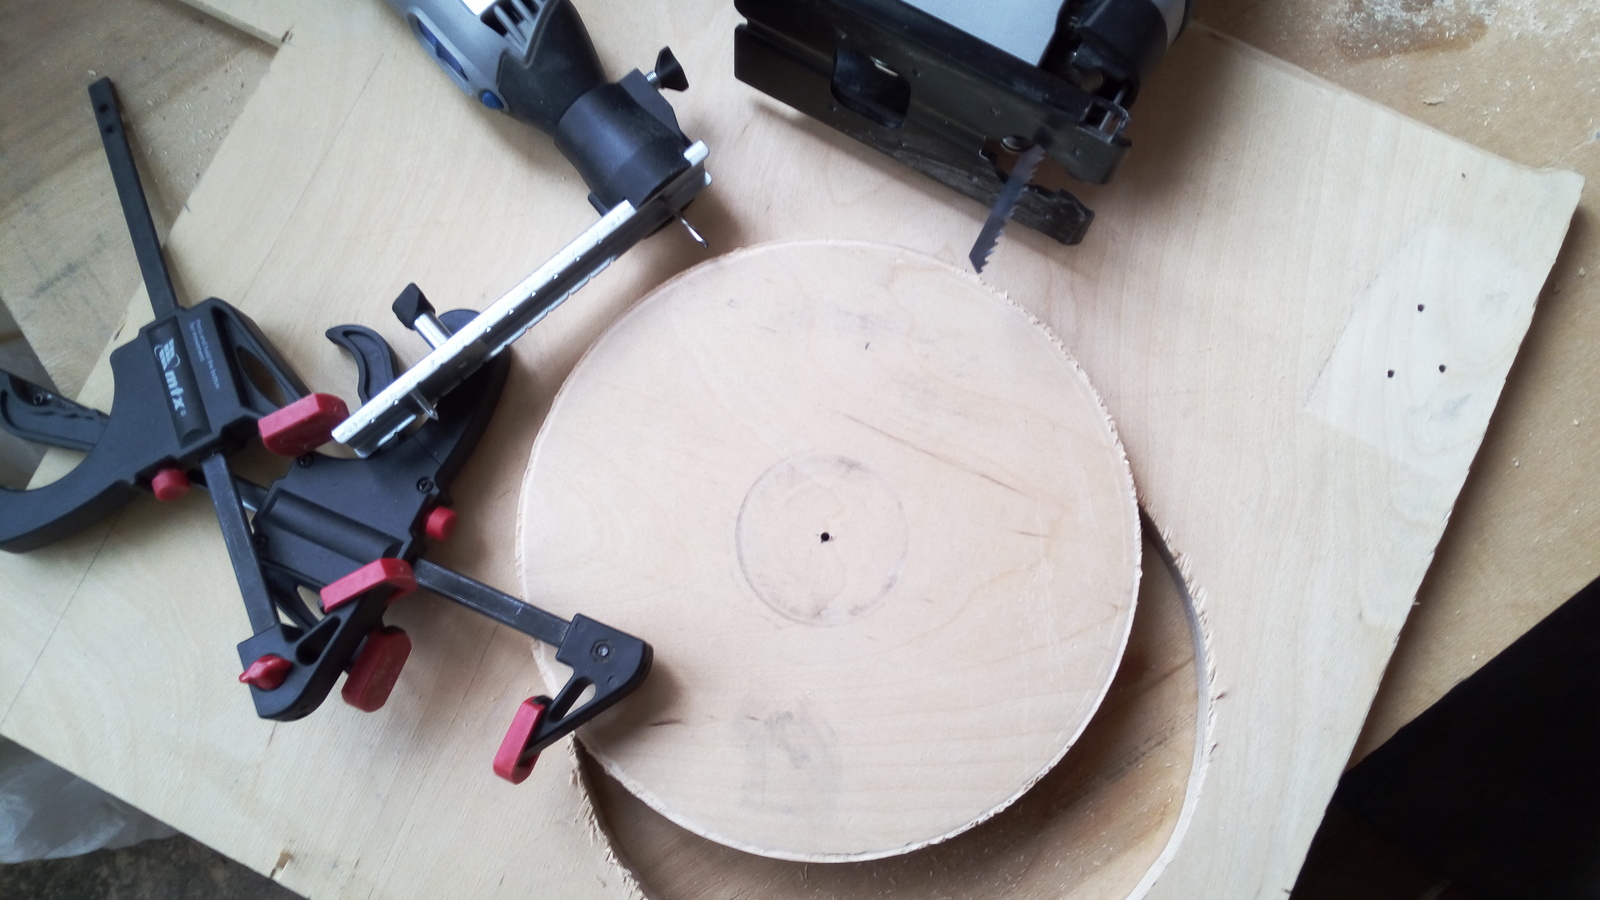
(1004, 204)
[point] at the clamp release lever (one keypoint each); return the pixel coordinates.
(611, 662)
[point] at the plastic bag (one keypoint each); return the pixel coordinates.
(47, 812)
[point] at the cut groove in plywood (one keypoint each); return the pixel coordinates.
(877, 525)
(1101, 824)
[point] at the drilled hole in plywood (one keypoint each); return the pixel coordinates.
(1094, 826)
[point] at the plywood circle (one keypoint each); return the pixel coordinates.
(1102, 821)
(876, 524)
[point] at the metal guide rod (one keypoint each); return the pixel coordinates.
(230, 505)
(451, 585)
(416, 391)
(135, 209)
(497, 605)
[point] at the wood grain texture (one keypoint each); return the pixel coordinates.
(1096, 826)
(1227, 269)
(66, 265)
(877, 526)
(1520, 78)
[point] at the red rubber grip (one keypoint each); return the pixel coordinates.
(395, 573)
(376, 669)
(266, 673)
(303, 425)
(169, 484)
(507, 762)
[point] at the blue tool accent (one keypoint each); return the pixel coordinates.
(440, 52)
(488, 98)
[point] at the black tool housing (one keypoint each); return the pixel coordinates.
(944, 102)
(622, 137)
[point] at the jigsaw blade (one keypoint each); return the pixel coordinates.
(1004, 204)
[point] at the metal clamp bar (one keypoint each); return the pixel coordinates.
(146, 244)
(508, 318)
(240, 541)
(499, 606)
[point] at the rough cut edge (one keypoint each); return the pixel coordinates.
(1194, 606)
(543, 658)
(257, 30)
(595, 830)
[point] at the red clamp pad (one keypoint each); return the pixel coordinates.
(169, 484)
(376, 669)
(303, 425)
(395, 573)
(440, 524)
(267, 672)
(507, 760)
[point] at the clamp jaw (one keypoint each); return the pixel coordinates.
(185, 392)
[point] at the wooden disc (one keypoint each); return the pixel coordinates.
(877, 526)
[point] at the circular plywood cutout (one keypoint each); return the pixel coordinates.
(1103, 821)
(876, 524)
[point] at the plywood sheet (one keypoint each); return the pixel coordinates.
(1520, 78)
(1263, 222)
(66, 267)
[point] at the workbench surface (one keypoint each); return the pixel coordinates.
(1518, 78)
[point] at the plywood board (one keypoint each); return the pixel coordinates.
(1520, 78)
(66, 268)
(1264, 220)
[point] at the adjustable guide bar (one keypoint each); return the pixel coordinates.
(415, 392)
(135, 208)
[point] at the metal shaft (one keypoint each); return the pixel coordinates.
(497, 605)
(146, 245)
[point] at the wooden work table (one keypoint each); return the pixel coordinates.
(1521, 79)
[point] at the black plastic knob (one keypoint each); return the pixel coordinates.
(411, 305)
(669, 74)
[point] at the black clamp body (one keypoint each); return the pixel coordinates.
(182, 394)
(950, 105)
(192, 388)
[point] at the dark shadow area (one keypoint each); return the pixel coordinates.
(178, 868)
(1493, 793)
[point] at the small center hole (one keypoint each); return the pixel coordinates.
(826, 537)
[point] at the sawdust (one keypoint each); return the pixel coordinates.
(1373, 29)
(1368, 29)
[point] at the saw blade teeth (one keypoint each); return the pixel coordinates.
(1004, 204)
(984, 246)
